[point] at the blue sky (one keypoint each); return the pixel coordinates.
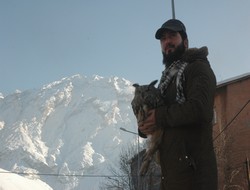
(42, 41)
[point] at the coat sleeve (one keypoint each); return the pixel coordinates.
(199, 89)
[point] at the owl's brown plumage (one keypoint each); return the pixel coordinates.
(147, 97)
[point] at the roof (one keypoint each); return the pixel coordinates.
(233, 80)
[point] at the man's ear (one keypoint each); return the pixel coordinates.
(186, 43)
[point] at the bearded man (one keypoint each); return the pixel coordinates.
(188, 84)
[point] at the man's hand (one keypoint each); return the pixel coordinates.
(148, 126)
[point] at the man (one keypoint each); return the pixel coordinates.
(188, 86)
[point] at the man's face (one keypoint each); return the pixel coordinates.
(169, 41)
(172, 46)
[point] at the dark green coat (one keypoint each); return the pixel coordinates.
(187, 155)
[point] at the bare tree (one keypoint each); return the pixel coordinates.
(121, 176)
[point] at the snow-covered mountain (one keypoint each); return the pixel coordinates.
(67, 132)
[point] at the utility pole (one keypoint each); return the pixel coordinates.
(173, 10)
(248, 174)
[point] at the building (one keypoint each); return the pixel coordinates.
(232, 132)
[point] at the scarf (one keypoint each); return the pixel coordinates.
(174, 70)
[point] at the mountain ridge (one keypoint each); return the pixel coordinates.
(68, 127)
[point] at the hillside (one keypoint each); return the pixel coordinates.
(67, 132)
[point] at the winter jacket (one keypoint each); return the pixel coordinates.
(186, 152)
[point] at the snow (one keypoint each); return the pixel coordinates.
(12, 181)
(66, 134)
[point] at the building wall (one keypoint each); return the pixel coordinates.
(232, 133)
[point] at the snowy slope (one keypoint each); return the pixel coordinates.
(12, 181)
(70, 127)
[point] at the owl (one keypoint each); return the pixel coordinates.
(148, 97)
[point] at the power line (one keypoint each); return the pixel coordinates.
(223, 130)
(71, 175)
(57, 175)
(51, 174)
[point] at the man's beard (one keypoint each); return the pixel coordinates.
(169, 58)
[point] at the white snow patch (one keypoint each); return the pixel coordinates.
(1, 125)
(11, 181)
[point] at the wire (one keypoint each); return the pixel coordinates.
(73, 175)
(63, 175)
(232, 120)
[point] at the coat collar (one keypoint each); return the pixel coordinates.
(193, 54)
